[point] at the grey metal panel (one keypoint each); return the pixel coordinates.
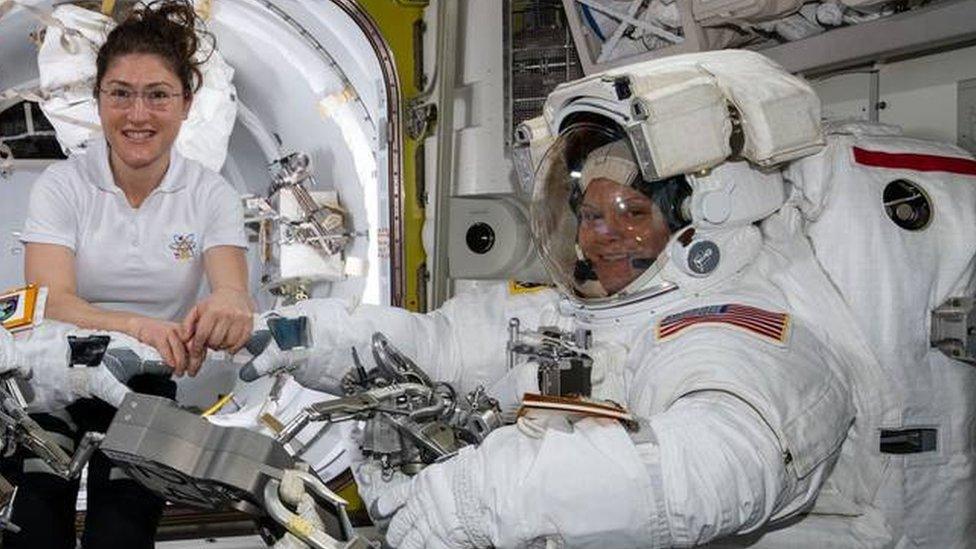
(187, 459)
(966, 115)
(440, 290)
(950, 22)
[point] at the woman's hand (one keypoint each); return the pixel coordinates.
(168, 338)
(222, 321)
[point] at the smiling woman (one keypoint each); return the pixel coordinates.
(122, 236)
(145, 84)
(621, 232)
(604, 228)
(141, 117)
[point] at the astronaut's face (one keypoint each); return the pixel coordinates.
(141, 106)
(621, 232)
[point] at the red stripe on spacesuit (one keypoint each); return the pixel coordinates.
(916, 162)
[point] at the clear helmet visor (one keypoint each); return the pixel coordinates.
(596, 227)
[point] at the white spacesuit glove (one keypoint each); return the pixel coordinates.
(509, 390)
(523, 486)
(127, 357)
(373, 484)
(306, 365)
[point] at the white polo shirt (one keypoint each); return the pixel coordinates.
(146, 260)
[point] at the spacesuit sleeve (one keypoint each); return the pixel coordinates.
(44, 357)
(721, 469)
(11, 357)
(463, 342)
(706, 468)
(746, 429)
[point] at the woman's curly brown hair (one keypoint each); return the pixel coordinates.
(169, 29)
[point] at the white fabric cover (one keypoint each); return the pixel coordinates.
(892, 279)
(686, 96)
(742, 193)
(780, 112)
(685, 99)
(12, 356)
(69, 76)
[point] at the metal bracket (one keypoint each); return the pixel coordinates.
(954, 329)
(421, 119)
(21, 430)
(315, 536)
(321, 225)
(564, 367)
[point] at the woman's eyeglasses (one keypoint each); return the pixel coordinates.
(124, 98)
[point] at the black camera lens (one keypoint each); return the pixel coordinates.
(480, 238)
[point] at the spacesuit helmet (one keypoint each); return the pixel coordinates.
(717, 126)
(601, 228)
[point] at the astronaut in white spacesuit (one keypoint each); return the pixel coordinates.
(697, 328)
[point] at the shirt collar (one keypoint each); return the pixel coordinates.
(96, 158)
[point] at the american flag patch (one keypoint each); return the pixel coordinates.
(766, 324)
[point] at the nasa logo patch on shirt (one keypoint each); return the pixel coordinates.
(184, 246)
(768, 325)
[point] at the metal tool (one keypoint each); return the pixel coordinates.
(322, 226)
(8, 493)
(410, 421)
(305, 530)
(565, 368)
(19, 429)
(184, 458)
